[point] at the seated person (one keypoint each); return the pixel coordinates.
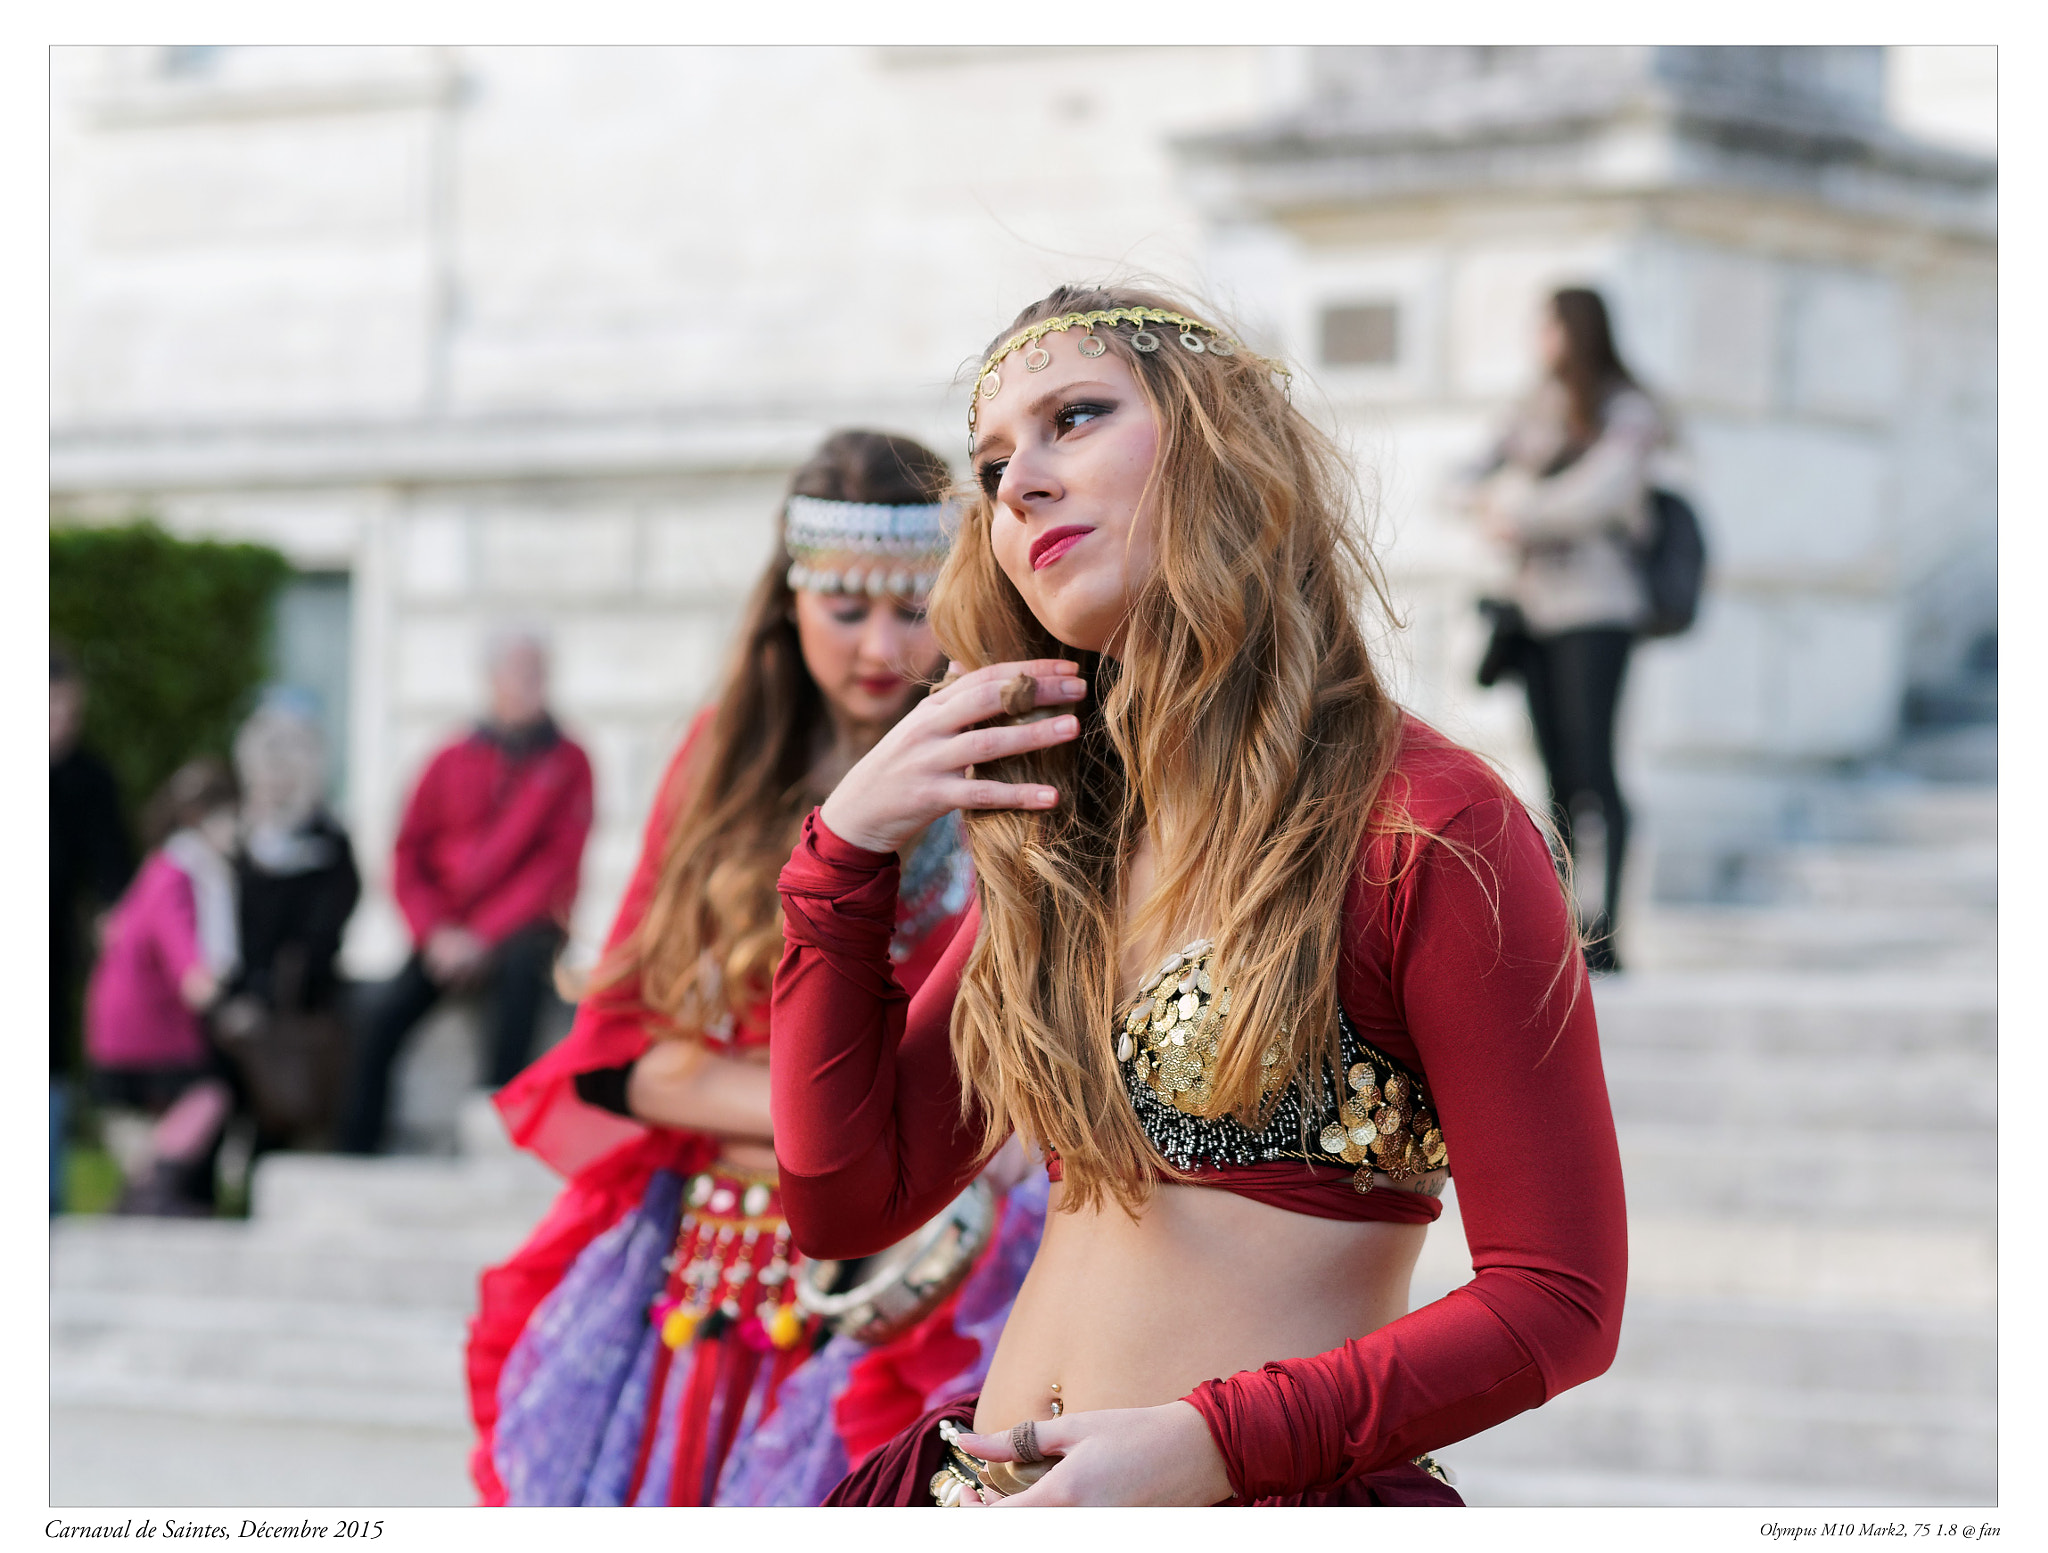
(485, 870)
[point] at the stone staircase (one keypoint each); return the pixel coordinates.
(1803, 1073)
(1804, 1085)
(310, 1355)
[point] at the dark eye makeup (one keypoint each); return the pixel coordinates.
(1078, 413)
(1065, 419)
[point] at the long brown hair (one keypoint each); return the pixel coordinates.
(1243, 721)
(187, 796)
(713, 931)
(1592, 368)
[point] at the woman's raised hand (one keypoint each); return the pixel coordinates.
(919, 769)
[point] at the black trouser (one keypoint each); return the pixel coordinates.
(514, 982)
(1574, 685)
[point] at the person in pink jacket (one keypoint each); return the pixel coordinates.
(485, 870)
(170, 944)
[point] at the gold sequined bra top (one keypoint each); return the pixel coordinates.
(1166, 1045)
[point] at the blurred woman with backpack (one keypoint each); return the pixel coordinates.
(1568, 491)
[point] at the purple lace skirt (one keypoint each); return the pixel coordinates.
(573, 1397)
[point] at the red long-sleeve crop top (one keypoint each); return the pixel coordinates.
(1459, 970)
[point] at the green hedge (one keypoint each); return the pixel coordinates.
(174, 639)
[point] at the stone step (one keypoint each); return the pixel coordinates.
(1927, 938)
(1938, 1449)
(401, 1365)
(1950, 1177)
(1487, 1484)
(1895, 1266)
(1880, 1092)
(434, 1269)
(1761, 1014)
(326, 1193)
(300, 1363)
(1931, 812)
(258, 1399)
(435, 1082)
(1952, 753)
(1804, 1348)
(121, 1457)
(480, 1131)
(1954, 874)
(1892, 1270)
(1899, 812)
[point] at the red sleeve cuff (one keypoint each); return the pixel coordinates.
(1272, 1439)
(836, 850)
(1203, 1399)
(839, 898)
(825, 867)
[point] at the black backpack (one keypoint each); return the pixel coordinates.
(1674, 563)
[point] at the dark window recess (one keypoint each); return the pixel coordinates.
(310, 636)
(1361, 334)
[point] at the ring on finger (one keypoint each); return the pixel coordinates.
(1024, 1441)
(1020, 694)
(1020, 703)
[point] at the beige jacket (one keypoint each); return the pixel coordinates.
(1576, 532)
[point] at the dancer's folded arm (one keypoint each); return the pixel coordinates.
(1483, 968)
(866, 1102)
(685, 1086)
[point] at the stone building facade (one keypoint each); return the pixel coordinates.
(1809, 288)
(489, 334)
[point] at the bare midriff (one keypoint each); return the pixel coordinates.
(1205, 1283)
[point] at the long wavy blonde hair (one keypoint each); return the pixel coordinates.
(1242, 723)
(712, 934)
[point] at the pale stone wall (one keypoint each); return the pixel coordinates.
(537, 334)
(497, 233)
(1945, 92)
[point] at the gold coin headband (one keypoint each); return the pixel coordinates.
(1146, 340)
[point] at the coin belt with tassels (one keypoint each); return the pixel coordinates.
(731, 1266)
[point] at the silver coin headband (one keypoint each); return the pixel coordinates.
(1195, 337)
(902, 546)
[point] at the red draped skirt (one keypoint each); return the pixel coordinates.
(900, 1473)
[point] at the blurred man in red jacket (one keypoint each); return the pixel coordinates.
(485, 872)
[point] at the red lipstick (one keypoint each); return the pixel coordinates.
(1056, 542)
